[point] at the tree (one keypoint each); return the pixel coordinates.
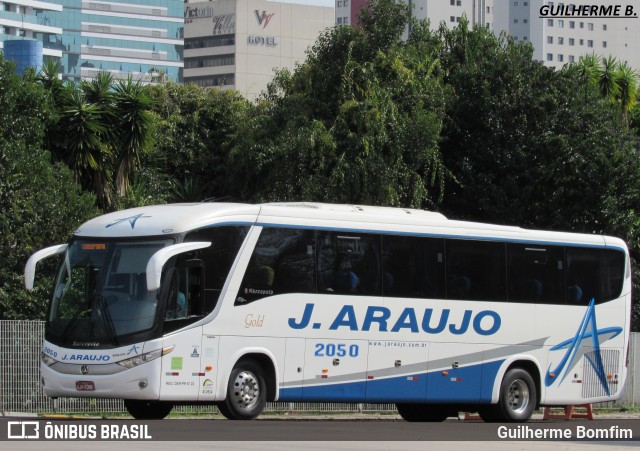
(133, 128)
(194, 134)
(358, 122)
(40, 203)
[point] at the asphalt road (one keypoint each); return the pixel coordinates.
(195, 434)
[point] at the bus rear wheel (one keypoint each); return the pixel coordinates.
(147, 410)
(246, 392)
(518, 397)
(425, 412)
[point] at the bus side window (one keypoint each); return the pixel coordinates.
(596, 274)
(283, 261)
(535, 273)
(349, 263)
(413, 267)
(475, 270)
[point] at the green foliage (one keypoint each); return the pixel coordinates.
(40, 204)
(358, 122)
(195, 129)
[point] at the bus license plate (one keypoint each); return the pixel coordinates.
(85, 385)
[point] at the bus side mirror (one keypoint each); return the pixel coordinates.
(30, 267)
(157, 260)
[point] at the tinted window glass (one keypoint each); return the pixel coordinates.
(536, 273)
(413, 267)
(475, 270)
(593, 274)
(216, 260)
(349, 263)
(283, 261)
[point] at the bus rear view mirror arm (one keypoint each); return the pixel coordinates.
(30, 267)
(157, 260)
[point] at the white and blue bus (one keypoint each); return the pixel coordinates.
(237, 305)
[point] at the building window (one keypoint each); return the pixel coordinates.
(457, 19)
(515, 38)
(581, 41)
(561, 58)
(561, 23)
(581, 24)
(458, 2)
(524, 38)
(452, 19)
(572, 41)
(549, 57)
(561, 41)
(572, 24)
(515, 3)
(550, 22)
(526, 3)
(525, 21)
(210, 61)
(590, 27)
(572, 59)
(515, 20)
(604, 44)
(604, 27)
(339, 3)
(345, 3)
(452, 2)
(339, 20)
(549, 39)
(589, 43)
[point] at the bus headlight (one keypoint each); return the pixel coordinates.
(47, 359)
(144, 358)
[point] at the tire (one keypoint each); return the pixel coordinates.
(147, 410)
(246, 392)
(425, 412)
(518, 398)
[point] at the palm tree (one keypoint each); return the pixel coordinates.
(80, 130)
(588, 68)
(628, 88)
(608, 79)
(133, 126)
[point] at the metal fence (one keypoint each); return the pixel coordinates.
(21, 390)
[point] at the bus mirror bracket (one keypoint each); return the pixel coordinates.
(30, 267)
(157, 260)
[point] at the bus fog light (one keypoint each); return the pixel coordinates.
(143, 383)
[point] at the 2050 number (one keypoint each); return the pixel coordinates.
(336, 350)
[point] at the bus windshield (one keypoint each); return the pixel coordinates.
(101, 292)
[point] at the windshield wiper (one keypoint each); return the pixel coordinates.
(106, 317)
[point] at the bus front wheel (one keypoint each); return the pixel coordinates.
(147, 410)
(517, 401)
(246, 392)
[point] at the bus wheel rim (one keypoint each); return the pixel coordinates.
(518, 396)
(246, 389)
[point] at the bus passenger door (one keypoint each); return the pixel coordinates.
(397, 371)
(335, 370)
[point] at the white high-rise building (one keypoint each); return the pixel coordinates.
(556, 40)
(449, 12)
(560, 36)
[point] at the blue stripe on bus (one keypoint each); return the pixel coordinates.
(470, 384)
